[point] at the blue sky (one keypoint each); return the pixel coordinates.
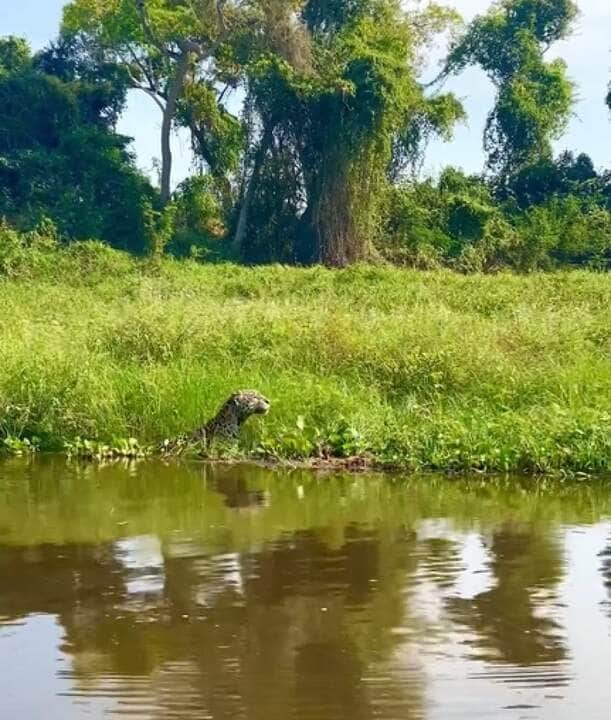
(587, 53)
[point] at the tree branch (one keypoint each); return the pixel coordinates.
(153, 84)
(137, 85)
(220, 10)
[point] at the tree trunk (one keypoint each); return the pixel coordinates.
(251, 186)
(175, 89)
(328, 233)
(308, 241)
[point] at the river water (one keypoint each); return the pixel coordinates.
(189, 592)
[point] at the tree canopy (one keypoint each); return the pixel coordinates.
(59, 155)
(308, 120)
(534, 96)
(169, 50)
(333, 100)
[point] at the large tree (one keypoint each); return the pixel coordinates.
(533, 96)
(335, 91)
(166, 46)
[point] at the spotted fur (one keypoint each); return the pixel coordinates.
(226, 424)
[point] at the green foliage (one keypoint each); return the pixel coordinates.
(567, 176)
(316, 166)
(555, 213)
(199, 224)
(276, 207)
(118, 22)
(15, 55)
(34, 254)
(25, 253)
(128, 448)
(218, 137)
(565, 231)
(60, 158)
(449, 222)
(301, 442)
(326, 17)
(159, 227)
(336, 114)
(18, 446)
(534, 97)
(167, 49)
(421, 370)
(102, 85)
(428, 117)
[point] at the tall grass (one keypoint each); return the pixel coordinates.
(424, 370)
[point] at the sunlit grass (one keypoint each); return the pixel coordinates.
(422, 370)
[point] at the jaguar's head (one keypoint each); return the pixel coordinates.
(249, 402)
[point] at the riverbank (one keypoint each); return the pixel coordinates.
(417, 370)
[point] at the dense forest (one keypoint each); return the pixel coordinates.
(308, 121)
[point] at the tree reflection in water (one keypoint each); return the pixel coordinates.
(233, 593)
(291, 629)
(526, 565)
(606, 571)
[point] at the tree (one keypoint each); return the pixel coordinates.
(165, 46)
(15, 54)
(538, 182)
(102, 84)
(59, 155)
(217, 136)
(333, 90)
(534, 97)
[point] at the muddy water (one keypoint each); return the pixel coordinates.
(162, 592)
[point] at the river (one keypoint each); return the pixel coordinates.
(159, 592)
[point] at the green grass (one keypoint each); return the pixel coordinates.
(424, 370)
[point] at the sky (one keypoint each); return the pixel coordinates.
(587, 53)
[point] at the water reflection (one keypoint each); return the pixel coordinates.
(232, 636)
(237, 493)
(526, 565)
(238, 593)
(606, 571)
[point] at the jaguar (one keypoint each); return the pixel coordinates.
(225, 425)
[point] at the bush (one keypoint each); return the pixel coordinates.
(27, 254)
(458, 222)
(565, 231)
(199, 225)
(60, 157)
(38, 254)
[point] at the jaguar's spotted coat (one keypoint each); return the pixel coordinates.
(226, 424)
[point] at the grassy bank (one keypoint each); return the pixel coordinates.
(423, 370)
